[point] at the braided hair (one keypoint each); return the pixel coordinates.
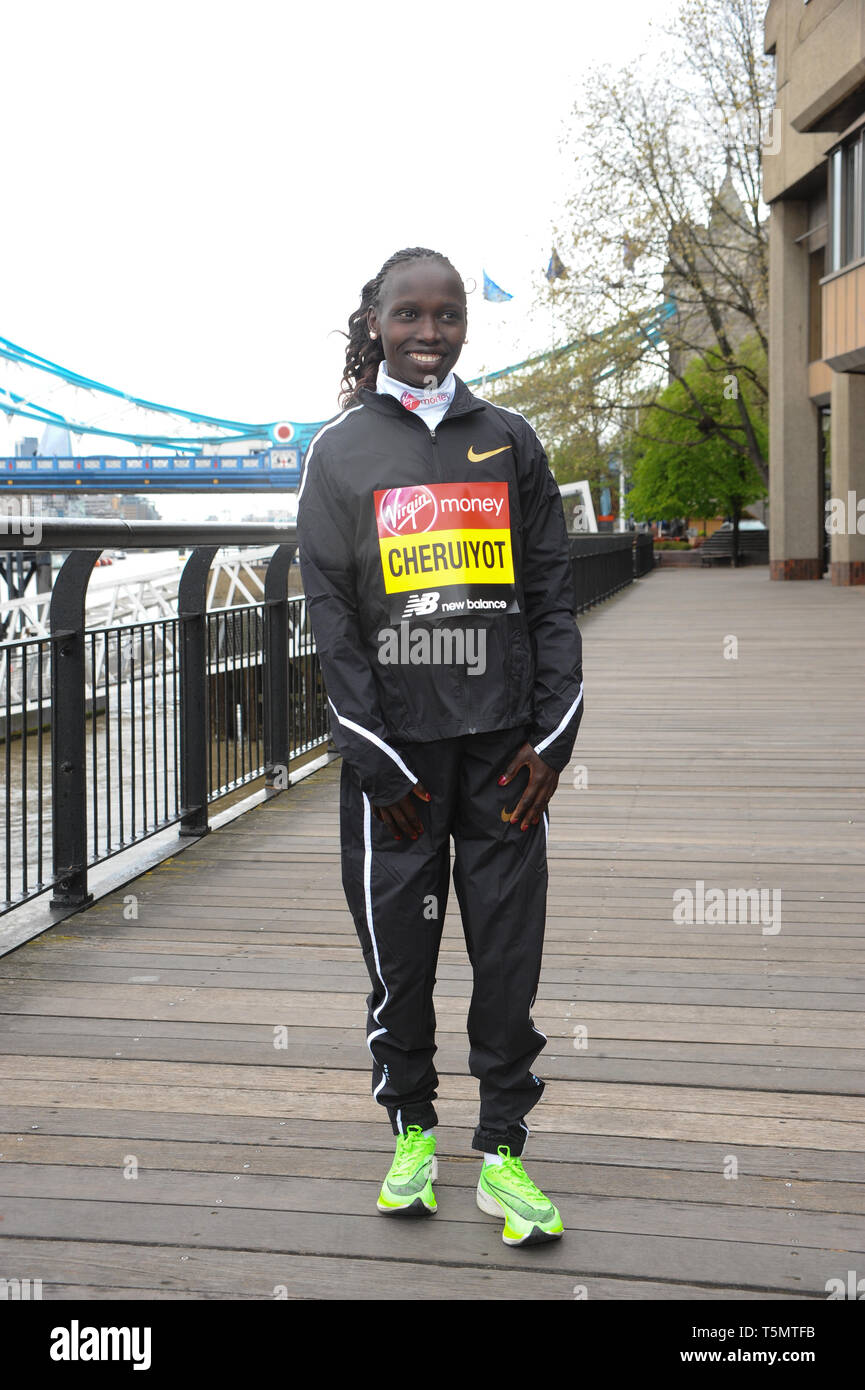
(363, 354)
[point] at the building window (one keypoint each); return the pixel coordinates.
(846, 204)
(835, 223)
(816, 271)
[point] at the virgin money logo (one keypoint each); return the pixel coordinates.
(412, 402)
(405, 510)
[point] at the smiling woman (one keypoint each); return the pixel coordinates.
(437, 575)
(413, 316)
(421, 319)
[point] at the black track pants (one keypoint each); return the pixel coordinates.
(397, 892)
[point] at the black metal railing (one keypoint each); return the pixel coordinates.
(132, 676)
(644, 554)
(111, 734)
(604, 564)
(25, 688)
(235, 637)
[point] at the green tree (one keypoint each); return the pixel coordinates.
(680, 468)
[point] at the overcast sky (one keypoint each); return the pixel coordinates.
(195, 193)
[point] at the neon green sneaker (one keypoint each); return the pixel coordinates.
(407, 1189)
(506, 1187)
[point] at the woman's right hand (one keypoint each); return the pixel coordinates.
(401, 816)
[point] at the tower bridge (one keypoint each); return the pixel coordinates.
(257, 471)
(185, 451)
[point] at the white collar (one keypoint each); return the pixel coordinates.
(420, 397)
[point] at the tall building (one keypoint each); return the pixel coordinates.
(814, 183)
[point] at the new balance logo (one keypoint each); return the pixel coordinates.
(420, 604)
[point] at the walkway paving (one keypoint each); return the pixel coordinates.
(170, 1079)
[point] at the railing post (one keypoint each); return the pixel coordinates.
(277, 739)
(68, 737)
(194, 696)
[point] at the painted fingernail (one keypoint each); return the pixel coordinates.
(502, 781)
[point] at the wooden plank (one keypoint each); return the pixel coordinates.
(617, 1062)
(704, 1041)
(320, 1081)
(264, 1011)
(215, 1273)
(252, 1192)
(755, 989)
(294, 1004)
(43, 1032)
(453, 1241)
(460, 1170)
(558, 956)
(373, 1132)
(352, 1105)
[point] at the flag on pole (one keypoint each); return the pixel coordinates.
(494, 292)
(556, 269)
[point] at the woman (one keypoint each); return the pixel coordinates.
(435, 563)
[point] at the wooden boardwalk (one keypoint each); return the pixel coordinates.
(148, 1045)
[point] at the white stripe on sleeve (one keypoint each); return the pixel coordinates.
(373, 738)
(567, 719)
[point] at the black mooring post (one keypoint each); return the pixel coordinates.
(194, 699)
(68, 731)
(277, 734)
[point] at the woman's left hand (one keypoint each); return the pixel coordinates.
(542, 782)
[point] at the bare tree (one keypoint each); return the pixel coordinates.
(666, 239)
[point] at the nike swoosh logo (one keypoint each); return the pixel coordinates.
(478, 458)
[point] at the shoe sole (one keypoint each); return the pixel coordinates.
(417, 1208)
(536, 1236)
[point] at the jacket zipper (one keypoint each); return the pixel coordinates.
(435, 455)
(460, 685)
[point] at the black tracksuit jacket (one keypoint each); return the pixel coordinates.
(401, 527)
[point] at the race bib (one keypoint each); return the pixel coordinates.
(446, 549)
